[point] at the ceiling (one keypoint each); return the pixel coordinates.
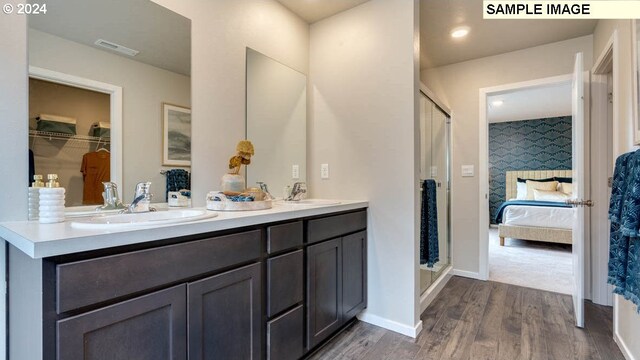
(315, 10)
(162, 36)
(534, 103)
(486, 37)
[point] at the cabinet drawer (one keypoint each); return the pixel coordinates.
(285, 282)
(283, 237)
(334, 226)
(285, 336)
(92, 281)
(153, 326)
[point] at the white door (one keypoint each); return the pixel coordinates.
(577, 100)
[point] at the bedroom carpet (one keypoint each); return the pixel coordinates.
(533, 264)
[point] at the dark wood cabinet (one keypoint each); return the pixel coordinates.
(354, 274)
(285, 335)
(150, 327)
(225, 315)
(324, 290)
(271, 291)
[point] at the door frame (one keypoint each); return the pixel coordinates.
(115, 99)
(601, 292)
(483, 164)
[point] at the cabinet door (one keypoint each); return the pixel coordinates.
(151, 327)
(225, 315)
(354, 274)
(324, 290)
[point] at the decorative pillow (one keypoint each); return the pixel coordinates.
(563, 179)
(521, 191)
(566, 188)
(539, 180)
(538, 185)
(543, 195)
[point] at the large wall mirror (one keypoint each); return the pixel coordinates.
(109, 96)
(276, 123)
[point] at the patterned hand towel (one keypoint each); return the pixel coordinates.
(429, 249)
(177, 179)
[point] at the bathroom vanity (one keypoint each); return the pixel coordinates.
(270, 284)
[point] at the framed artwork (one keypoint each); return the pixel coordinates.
(176, 135)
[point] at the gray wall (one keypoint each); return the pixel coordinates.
(13, 137)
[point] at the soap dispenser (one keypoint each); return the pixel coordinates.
(34, 196)
(51, 201)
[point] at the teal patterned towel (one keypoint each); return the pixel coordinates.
(624, 213)
(429, 248)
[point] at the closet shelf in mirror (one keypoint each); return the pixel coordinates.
(36, 134)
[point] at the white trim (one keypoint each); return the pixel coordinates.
(624, 349)
(394, 326)
(467, 274)
(634, 79)
(430, 294)
(601, 292)
(115, 94)
(483, 166)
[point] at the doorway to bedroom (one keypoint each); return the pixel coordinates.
(530, 169)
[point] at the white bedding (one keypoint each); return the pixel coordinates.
(538, 216)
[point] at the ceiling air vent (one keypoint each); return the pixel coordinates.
(115, 47)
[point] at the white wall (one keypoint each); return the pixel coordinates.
(144, 89)
(458, 86)
(626, 320)
(221, 31)
(13, 137)
(364, 123)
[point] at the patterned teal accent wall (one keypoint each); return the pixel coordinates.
(540, 144)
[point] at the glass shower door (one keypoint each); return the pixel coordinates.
(435, 164)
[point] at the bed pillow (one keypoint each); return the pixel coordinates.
(521, 191)
(539, 185)
(521, 180)
(563, 179)
(544, 195)
(566, 188)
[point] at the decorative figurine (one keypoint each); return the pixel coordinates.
(244, 152)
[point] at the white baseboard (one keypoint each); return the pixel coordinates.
(623, 347)
(467, 274)
(394, 326)
(434, 289)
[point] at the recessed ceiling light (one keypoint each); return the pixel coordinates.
(460, 32)
(497, 103)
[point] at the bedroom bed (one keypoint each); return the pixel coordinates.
(528, 219)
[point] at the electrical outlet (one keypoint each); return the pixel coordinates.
(295, 172)
(324, 171)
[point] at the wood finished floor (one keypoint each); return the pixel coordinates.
(473, 319)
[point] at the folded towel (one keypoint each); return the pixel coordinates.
(624, 213)
(177, 179)
(429, 249)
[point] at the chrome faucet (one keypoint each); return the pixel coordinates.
(110, 196)
(265, 190)
(142, 199)
(298, 192)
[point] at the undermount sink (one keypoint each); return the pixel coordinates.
(104, 222)
(311, 202)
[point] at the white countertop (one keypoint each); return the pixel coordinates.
(44, 240)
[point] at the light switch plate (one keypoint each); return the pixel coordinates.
(324, 171)
(468, 171)
(434, 171)
(295, 172)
